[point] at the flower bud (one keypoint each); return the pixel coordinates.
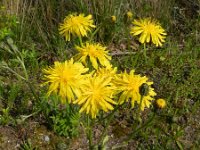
(144, 89)
(160, 103)
(113, 19)
(129, 15)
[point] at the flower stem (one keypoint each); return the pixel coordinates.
(80, 41)
(109, 118)
(139, 109)
(145, 53)
(131, 135)
(140, 128)
(89, 132)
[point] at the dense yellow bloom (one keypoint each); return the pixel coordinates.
(76, 25)
(107, 71)
(113, 18)
(129, 87)
(129, 15)
(161, 103)
(65, 79)
(96, 95)
(95, 52)
(149, 30)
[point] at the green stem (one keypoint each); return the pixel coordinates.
(139, 110)
(80, 41)
(95, 32)
(145, 53)
(140, 128)
(109, 115)
(109, 118)
(131, 136)
(89, 132)
(105, 129)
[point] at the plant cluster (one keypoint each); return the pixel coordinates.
(96, 81)
(90, 81)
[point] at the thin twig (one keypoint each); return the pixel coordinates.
(122, 53)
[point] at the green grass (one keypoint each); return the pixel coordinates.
(174, 69)
(175, 73)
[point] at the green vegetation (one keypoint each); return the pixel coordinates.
(30, 42)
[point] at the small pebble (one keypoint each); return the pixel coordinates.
(46, 138)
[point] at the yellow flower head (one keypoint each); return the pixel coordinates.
(96, 95)
(161, 103)
(149, 30)
(129, 15)
(76, 25)
(129, 86)
(65, 79)
(107, 71)
(113, 18)
(95, 52)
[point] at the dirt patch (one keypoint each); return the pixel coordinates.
(8, 138)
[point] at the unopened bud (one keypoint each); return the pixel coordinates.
(144, 89)
(160, 103)
(113, 18)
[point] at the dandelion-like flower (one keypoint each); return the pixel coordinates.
(96, 53)
(96, 95)
(149, 30)
(65, 79)
(76, 25)
(161, 103)
(107, 71)
(129, 85)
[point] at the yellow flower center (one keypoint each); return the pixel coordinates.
(74, 21)
(96, 94)
(92, 51)
(149, 28)
(133, 85)
(66, 76)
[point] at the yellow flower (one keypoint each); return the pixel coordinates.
(95, 52)
(96, 95)
(76, 25)
(65, 79)
(113, 18)
(129, 15)
(107, 71)
(129, 86)
(149, 30)
(161, 103)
